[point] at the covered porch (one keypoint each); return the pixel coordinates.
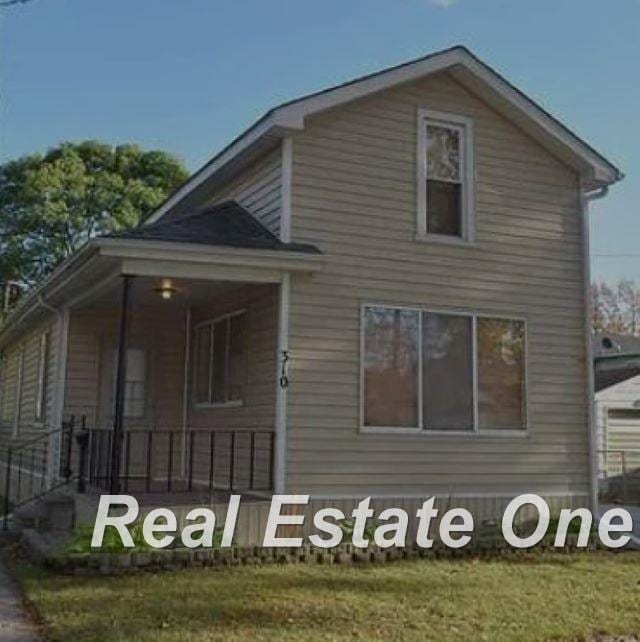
(176, 358)
(180, 376)
(170, 373)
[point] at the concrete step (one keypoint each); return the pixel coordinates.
(54, 512)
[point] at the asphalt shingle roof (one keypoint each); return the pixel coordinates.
(227, 224)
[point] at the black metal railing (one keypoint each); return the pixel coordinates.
(151, 461)
(29, 471)
(183, 461)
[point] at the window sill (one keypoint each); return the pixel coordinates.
(466, 434)
(444, 240)
(222, 404)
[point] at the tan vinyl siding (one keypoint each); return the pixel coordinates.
(19, 384)
(10, 366)
(354, 196)
(258, 189)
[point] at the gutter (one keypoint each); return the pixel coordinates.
(51, 284)
(585, 199)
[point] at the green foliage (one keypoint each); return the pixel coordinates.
(347, 526)
(52, 204)
(81, 541)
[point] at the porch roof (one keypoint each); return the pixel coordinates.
(227, 224)
(224, 244)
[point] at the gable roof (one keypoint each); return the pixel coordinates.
(613, 374)
(596, 171)
(614, 344)
(227, 224)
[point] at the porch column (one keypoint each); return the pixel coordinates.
(121, 377)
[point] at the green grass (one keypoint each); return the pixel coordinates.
(538, 597)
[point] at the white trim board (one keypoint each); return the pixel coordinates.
(289, 117)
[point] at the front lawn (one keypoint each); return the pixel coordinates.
(535, 598)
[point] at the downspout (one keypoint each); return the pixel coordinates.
(585, 200)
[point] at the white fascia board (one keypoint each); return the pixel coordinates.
(208, 255)
(297, 112)
(602, 170)
(201, 271)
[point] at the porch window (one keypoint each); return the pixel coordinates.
(445, 176)
(220, 359)
(442, 372)
(135, 386)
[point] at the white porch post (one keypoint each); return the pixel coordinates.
(280, 452)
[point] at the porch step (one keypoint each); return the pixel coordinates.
(51, 513)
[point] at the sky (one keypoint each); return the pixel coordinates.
(188, 75)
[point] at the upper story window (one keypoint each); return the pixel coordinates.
(445, 177)
(442, 372)
(220, 359)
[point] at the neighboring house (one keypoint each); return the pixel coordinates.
(376, 290)
(617, 403)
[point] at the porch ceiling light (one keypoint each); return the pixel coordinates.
(166, 290)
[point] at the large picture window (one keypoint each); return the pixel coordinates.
(220, 359)
(442, 372)
(445, 176)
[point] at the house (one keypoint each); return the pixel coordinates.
(376, 290)
(617, 414)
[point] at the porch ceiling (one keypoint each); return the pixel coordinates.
(145, 292)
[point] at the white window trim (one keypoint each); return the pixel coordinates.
(465, 126)
(519, 433)
(206, 405)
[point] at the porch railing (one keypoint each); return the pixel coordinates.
(619, 476)
(184, 461)
(36, 466)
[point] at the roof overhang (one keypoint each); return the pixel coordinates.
(101, 261)
(595, 170)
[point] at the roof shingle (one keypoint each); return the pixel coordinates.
(227, 224)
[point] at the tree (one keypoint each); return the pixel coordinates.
(616, 308)
(52, 204)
